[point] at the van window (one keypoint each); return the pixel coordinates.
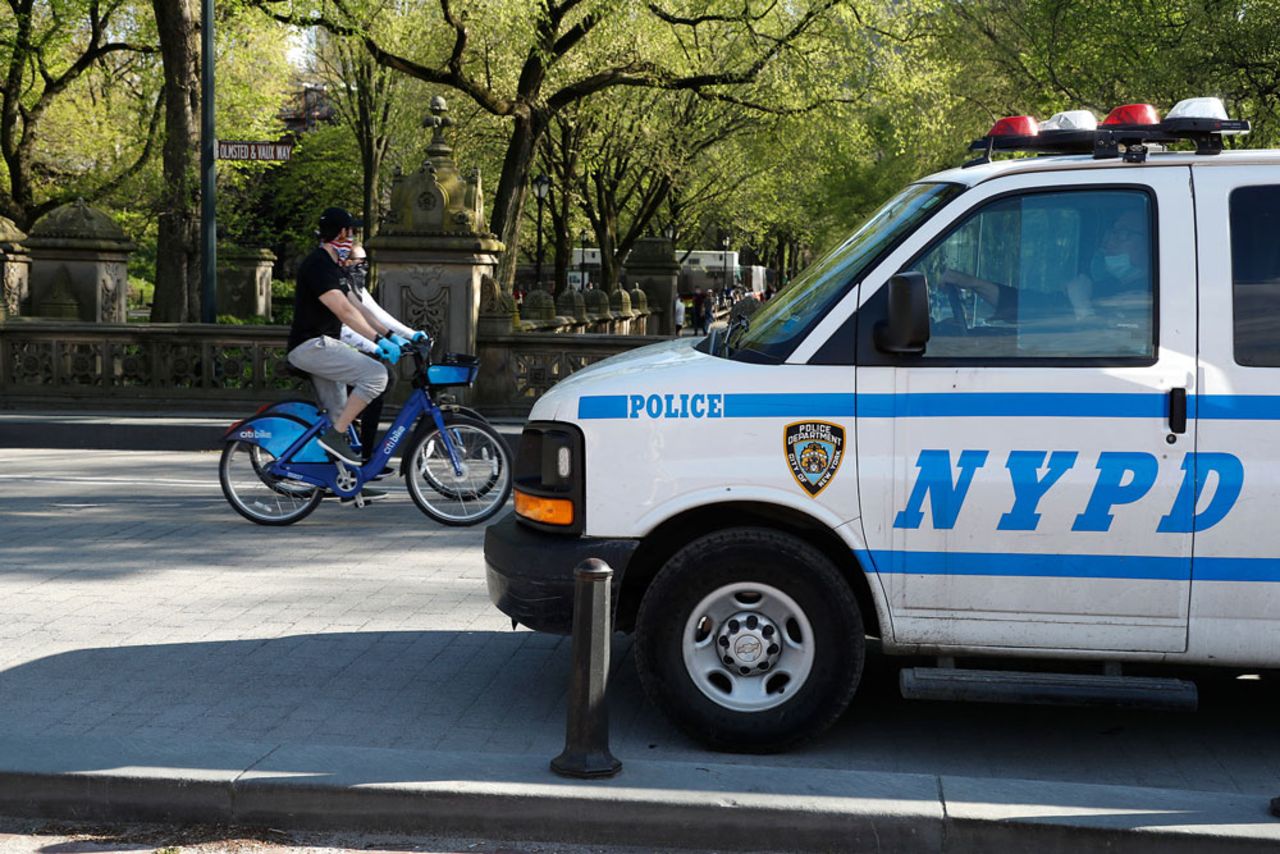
(1255, 274)
(1053, 275)
(785, 320)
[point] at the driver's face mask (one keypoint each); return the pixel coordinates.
(358, 272)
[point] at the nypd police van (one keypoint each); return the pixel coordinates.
(1029, 409)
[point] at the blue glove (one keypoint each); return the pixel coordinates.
(419, 337)
(388, 350)
(399, 340)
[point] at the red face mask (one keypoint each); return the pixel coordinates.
(342, 246)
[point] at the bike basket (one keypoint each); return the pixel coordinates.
(454, 369)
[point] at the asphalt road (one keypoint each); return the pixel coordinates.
(135, 603)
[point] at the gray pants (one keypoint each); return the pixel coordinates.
(334, 366)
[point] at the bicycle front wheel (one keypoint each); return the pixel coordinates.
(255, 494)
(465, 497)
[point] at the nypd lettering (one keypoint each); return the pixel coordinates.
(675, 406)
(814, 451)
(1123, 477)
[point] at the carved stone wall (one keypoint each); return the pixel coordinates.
(244, 281)
(79, 256)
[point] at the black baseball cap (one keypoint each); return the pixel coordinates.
(335, 219)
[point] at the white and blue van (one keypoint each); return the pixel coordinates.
(1029, 409)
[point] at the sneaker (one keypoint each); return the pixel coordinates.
(386, 470)
(336, 444)
(368, 494)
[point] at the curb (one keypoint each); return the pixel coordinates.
(667, 804)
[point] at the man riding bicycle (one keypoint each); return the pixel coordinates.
(321, 308)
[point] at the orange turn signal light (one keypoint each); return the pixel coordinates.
(549, 511)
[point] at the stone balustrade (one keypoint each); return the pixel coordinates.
(237, 368)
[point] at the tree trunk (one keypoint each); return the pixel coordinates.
(509, 199)
(177, 295)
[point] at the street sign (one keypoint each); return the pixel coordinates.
(254, 150)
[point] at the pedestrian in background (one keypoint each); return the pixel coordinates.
(699, 318)
(679, 315)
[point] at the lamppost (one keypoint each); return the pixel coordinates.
(582, 265)
(724, 243)
(541, 185)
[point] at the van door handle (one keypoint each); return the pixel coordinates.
(1178, 410)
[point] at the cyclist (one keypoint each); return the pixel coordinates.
(357, 272)
(321, 307)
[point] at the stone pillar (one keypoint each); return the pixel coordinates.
(573, 308)
(79, 255)
(640, 307)
(620, 309)
(430, 256)
(652, 267)
(599, 318)
(15, 271)
(244, 281)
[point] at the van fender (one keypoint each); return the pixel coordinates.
(274, 433)
(729, 493)
(851, 533)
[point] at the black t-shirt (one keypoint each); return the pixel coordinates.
(317, 274)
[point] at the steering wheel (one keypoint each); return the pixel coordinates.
(957, 306)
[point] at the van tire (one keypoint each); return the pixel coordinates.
(791, 588)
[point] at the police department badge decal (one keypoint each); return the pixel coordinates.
(814, 451)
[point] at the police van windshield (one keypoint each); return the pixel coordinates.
(775, 330)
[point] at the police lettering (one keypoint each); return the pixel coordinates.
(1123, 477)
(675, 406)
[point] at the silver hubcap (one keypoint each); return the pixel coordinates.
(748, 647)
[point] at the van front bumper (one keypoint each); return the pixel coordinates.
(530, 573)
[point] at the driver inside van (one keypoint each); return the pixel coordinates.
(1118, 281)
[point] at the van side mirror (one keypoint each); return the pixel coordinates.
(906, 329)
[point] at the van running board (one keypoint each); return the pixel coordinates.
(1047, 689)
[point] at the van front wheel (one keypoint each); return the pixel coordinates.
(750, 640)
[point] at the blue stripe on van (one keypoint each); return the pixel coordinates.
(788, 405)
(1236, 407)
(965, 405)
(602, 406)
(988, 404)
(1003, 564)
(1029, 565)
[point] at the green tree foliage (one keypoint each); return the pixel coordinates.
(66, 63)
(280, 206)
(527, 62)
(1048, 55)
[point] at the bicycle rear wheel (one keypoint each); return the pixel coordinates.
(258, 496)
(482, 488)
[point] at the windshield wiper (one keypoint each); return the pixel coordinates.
(740, 326)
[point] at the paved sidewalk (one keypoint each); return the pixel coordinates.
(162, 658)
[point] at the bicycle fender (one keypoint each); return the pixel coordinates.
(303, 410)
(275, 433)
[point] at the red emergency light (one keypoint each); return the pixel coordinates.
(1015, 126)
(1132, 114)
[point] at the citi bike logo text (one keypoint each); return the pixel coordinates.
(1123, 477)
(392, 440)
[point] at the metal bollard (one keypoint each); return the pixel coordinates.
(586, 741)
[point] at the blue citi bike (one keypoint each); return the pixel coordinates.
(456, 466)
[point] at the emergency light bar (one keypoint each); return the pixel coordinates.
(1126, 132)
